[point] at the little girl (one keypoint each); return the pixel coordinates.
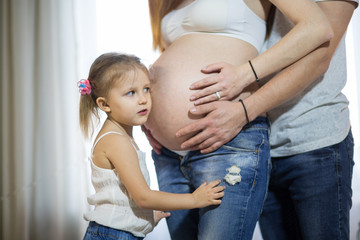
(119, 85)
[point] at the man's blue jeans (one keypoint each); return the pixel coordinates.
(243, 166)
(309, 195)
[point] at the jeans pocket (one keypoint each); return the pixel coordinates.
(249, 140)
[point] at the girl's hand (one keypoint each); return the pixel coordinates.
(208, 194)
(153, 142)
(229, 81)
(158, 215)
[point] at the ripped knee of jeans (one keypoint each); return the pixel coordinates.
(233, 176)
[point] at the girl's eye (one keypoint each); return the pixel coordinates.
(130, 93)
(147, 89)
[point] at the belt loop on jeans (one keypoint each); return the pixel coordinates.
(94, 228)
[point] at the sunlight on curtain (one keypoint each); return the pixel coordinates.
(43, 178)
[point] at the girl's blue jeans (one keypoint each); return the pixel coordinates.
(243, 166)
(96, 231)
(309, 195)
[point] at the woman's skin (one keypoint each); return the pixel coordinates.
(170, 82)
(180, 65)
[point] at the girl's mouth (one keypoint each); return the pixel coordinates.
(143, 112)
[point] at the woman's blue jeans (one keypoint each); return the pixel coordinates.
(309, 195)
(242, 165)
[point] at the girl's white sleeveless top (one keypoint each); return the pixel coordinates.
(113, 205)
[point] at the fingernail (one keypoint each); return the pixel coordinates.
(192, 98)
(191, 87)
(178, 134)
(193, 109)
(197, 102)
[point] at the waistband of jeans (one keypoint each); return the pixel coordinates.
(259, 122)
(96, 229)
(93, 227)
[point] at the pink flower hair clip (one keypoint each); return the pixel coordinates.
(84, 87)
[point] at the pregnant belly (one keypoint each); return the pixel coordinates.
(170, 111)
(173, 73)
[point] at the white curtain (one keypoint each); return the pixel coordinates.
(44, 179)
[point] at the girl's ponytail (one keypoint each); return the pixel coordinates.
(87, 109)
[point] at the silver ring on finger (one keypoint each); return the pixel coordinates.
(218, 95)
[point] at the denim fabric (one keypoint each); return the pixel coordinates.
(239, 211)
(99, 232)
(309, 195)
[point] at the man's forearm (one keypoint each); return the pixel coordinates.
(296, 77)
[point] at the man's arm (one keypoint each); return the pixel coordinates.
(285, 85)
(295, 78)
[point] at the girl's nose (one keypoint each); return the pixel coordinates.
(142, 99)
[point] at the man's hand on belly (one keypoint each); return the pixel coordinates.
(224, 120)
(229, 81)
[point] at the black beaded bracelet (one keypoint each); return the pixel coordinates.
(247, 117)
(256, 77)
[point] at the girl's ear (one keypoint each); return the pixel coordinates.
(102, 104)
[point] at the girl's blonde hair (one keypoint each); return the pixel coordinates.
(159, 8)
(104, 72)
